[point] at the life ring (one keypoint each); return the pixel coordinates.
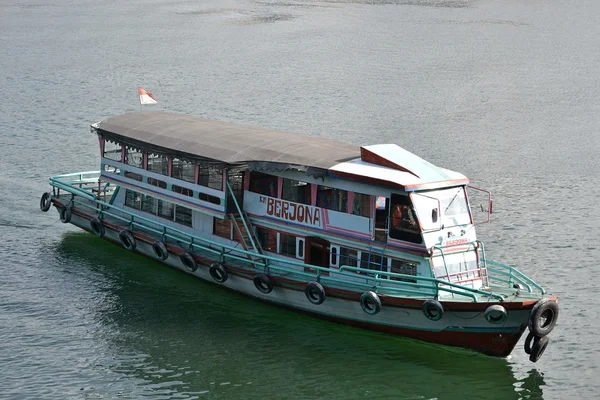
(495, 314)
(433, 310)
(65, 214)
(127, 240)
(188, 261)
(315, 293)
(370, 303)
(45, 202)
(538, 348)
(97, 227)
(263, 283)
(160, 250)
(218, 272)
(543, 317)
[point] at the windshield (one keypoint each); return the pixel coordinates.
(446, 207)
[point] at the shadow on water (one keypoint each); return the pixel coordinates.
(179, 336)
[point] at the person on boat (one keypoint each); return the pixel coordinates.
(403, 217)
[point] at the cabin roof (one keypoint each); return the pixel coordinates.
(227, 142)
(267, 149)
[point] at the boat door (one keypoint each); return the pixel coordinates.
(236, 181)
(382, 211)
(317, 253)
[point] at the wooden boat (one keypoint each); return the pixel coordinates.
(370, 236)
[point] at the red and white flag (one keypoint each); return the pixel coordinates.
(146, 97)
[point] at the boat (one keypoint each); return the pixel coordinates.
(370, 236)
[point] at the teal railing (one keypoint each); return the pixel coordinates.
(381, 281)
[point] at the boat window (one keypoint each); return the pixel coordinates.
(334, 256)
(150, 205)
(209, 198)
(156, 182)
(348, 257)
(403, 267)
(267, 239)
(165, 209)
(182, 190)
(158, 163)
(210, 177)
(453, 203)
(133, 175)
(183, 215)
(263, 184)
(134, 157)
(404, 223)
(133, 199)
(184, 170)
(372, 261)
(222, 228)
(362, 205)
(287, 244)
(296, 191)
(332, 199)
(300, 248)
(112, 150)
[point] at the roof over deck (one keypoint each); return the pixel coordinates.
(227, 142)
(266, 149)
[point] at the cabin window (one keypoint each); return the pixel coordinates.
(334, 256)
(332, 199)
(150, 205)
(165, 209)
(210, 177)
(296, 191)
(404, 224)
(111, 169)
(158, 163)
(133, 175)
(222, 228)
(112, 150)
(267, 239)
(403, 267)
(369, 260)
(134, 157)
(287, 244)
(182, 190)
(348, 257)
(263, 184)
(133, 199)
(183, 215)
(157, 183)
(183, 170)
(300, 248)
(209, 198)
(362, 205)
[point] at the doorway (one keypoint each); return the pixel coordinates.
(317, 253)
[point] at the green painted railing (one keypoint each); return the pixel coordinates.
(381, 282)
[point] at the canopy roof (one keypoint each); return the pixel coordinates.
(268, 150)
(227, 142)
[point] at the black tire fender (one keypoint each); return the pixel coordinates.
(263, 283)
(433, 310)
(188, 262)
(218, 273)
(495, 314)
(315, 292)
(65, 214)
(127, 240)
(97, 227)
(538, 348)
(543, 317)
(160, 250)
(370, 303)
(45, 202)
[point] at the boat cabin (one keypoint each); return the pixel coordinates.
(325, 203)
